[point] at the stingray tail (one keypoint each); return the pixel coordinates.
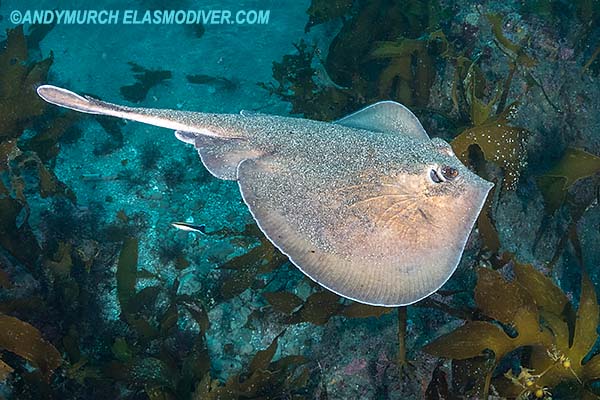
(202, 123)
(86, 104)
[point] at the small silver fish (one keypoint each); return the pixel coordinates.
(187, 227)
(367, 206)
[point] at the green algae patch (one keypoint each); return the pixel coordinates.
(27, 342)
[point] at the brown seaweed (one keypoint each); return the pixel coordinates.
(36, 33)
(19, 241)
(5, 370)
(533, 307)
(61, 262)
(20, 108)
(499, 142)
(283, 302)
(19, 103)
(262, 259)
(146, 79)
(296, 83)
(515, 50)
(562, 185)
(321, 11)
(217, 81)
(5, 282)
(373, 22)
(46, 143)
(127, 272)
(320, 307)
(438, 386)
(27, 342)
(576, 164)
(265, 378)
(410, 73)
(383, 51)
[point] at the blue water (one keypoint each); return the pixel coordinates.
(101, 297)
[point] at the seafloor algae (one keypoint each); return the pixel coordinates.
(490, 131)
(372, 22)
(283, 302)
(127, 272)
(410, 73)
(265, 379)
(517, 51)
(20, 107)
(46, 143)
(383, 51)
(499, 143)
(18, 100)
(19, 241)
(26, 341)
(150, 154)
(320, 307)
(575, 164)
(5, 282)
(218, 82)
(146, 79)
(262, 259)
(531, 312)
(295, 83)
(572, 184)
(321, 11)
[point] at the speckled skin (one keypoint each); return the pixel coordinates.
(355, 209)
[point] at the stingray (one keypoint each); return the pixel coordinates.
(367, 206)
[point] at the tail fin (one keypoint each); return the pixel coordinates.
(65, 98)
(201, 123)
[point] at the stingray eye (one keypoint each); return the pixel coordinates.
(435, 176)
(449, 172)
